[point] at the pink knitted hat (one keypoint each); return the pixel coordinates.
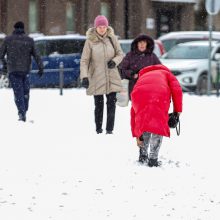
(101, 20)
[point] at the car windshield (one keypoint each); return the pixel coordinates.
(60, 47)
(188, 52)
(126, 47)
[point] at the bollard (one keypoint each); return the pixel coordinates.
(218, 78)
(61, 70)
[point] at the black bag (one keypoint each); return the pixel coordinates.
(174, 122)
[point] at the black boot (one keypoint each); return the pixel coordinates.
(142, 157)
(22, 117)
(99, 131)
(153, 163)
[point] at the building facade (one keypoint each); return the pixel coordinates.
(128, 17)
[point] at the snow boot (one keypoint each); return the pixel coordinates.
(109, 132)
(142, 157)
(99, 131)
(22, 117)
(153, 163)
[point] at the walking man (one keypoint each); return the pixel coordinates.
(19, 49)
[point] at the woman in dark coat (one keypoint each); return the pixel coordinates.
(140, 56)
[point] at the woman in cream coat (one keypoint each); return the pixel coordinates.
(98, 70)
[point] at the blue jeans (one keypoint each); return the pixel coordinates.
(21, 87)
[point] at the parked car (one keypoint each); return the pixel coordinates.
(171, 39)
(158, 46)
(58, 53)
(189, 63)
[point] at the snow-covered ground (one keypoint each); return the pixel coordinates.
(56, 167)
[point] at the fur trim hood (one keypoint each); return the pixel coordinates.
(143, 37)
(92, 35)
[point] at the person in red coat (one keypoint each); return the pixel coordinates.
(151, 98)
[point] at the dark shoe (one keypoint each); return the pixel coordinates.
(22, 117)
(99, 131)
(142, 157)
(109, 132)
(153, 163)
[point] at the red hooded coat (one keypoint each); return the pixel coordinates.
(151, 99)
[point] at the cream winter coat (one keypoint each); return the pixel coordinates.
(97, 52)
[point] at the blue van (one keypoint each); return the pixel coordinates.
(58, 53)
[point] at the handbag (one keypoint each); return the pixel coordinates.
(123, 96)
(174, 122)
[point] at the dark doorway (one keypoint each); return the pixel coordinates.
(168, 20)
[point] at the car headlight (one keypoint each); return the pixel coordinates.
(187, 79)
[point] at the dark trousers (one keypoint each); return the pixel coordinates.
(21, 87)
(99, 107)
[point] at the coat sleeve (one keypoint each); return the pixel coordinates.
(3, 50)
(125, 67)
(176, 92)
(118, 52)
(85, 60)
(133, 122)
(156, 59)
(37, 57)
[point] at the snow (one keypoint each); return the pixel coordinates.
(56, 167)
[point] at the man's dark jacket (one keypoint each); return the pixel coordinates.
(19, 49)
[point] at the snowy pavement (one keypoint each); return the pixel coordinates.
(56, 167)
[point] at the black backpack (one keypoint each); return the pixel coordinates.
(174, 122)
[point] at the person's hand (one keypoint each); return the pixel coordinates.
(85, 82)
(139, 142)
(135, 76)
(40, 73)
(111, 64)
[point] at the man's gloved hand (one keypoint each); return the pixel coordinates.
(85, 82)
(111, 64)
(40, 73)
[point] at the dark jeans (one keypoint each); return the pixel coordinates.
(21, 87)
(99, 107)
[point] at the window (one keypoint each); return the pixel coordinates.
(54, 47)
(33, 16)
(70, 17)
(105, 9)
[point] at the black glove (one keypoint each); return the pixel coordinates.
(40, 73)
(111, 64)
(173, 119)
(85, 82)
